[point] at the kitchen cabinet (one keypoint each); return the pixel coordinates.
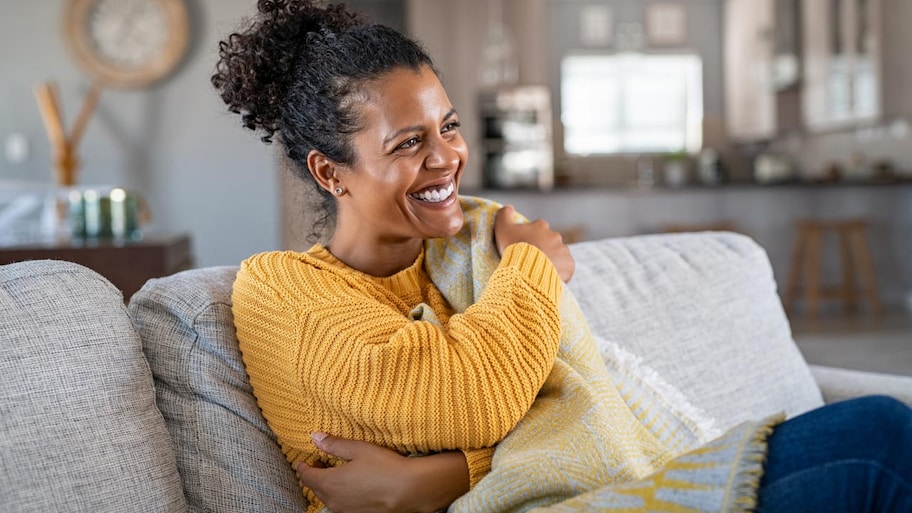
(842, 84)
(896, 72)
(762, 68)
(750, 99)
(516, 138)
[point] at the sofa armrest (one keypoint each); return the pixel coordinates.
(838, 384)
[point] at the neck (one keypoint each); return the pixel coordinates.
(376, 258)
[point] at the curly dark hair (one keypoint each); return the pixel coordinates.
(296, 70)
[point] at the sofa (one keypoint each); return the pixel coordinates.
(144, 406)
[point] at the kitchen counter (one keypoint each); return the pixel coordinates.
(633, 187)
(764, 212)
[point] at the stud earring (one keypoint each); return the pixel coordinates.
(339, 191)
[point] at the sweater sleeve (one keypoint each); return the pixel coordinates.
(479, 462)
(371, 373)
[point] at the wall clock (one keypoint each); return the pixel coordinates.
(127, 43)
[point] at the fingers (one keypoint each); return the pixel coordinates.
(538, 233)
(506, 212)
(339, 447)
(544, 226)
(566, 267)
(311, 477)
(503, 220)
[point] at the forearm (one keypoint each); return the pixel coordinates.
(434, 482)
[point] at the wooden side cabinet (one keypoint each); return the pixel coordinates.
(126, 264)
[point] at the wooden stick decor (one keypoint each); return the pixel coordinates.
(66, 159)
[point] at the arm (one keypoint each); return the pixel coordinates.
(461, 385)
(274, 303)
(839, 384)
(469, 380)
(379, 480)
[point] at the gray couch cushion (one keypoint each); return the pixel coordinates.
(79, 430)
(228, 458)
(701, 312)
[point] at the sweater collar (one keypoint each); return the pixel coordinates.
(407, 280)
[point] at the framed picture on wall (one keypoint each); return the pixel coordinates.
(666, 24)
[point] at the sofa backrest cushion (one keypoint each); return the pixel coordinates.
(79, 429)
(696, 314)
(228, 458)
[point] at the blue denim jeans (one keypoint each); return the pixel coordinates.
(853, 456)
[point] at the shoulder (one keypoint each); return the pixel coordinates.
(283, 274)
(274, 265)
(301, 278)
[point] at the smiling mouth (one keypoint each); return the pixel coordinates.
(433, 195)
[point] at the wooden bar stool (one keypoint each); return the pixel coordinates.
(571, 234)
(857, 268)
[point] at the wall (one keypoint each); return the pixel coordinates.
(175, 142)
(387, 12)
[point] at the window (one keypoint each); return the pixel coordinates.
(631, 103)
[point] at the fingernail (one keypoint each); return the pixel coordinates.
(317, 437)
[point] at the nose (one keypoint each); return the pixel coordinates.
(444, 154)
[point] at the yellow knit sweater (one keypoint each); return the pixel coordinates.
(386, 360)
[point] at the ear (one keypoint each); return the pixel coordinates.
(323, 169)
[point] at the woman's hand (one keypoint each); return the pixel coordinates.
(538, 233)
(379, 480)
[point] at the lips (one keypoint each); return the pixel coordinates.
(434, 194)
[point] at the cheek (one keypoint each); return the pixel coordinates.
(395, 177)
(461, 148)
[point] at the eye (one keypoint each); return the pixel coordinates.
(449, 127)
(408, 144)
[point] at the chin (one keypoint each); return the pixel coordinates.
(458, 219)
(456, 227)
(454, 224)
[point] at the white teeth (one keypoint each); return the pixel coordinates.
(435, 196)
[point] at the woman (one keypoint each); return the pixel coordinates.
(435, 325)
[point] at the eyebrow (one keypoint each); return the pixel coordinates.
(413, 128)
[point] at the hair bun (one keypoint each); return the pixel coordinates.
(256, 64)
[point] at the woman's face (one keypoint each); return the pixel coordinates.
(409, 157)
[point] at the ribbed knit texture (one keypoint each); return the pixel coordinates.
(388, 360)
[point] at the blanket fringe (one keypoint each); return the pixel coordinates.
(750, 472)
(634, 368)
